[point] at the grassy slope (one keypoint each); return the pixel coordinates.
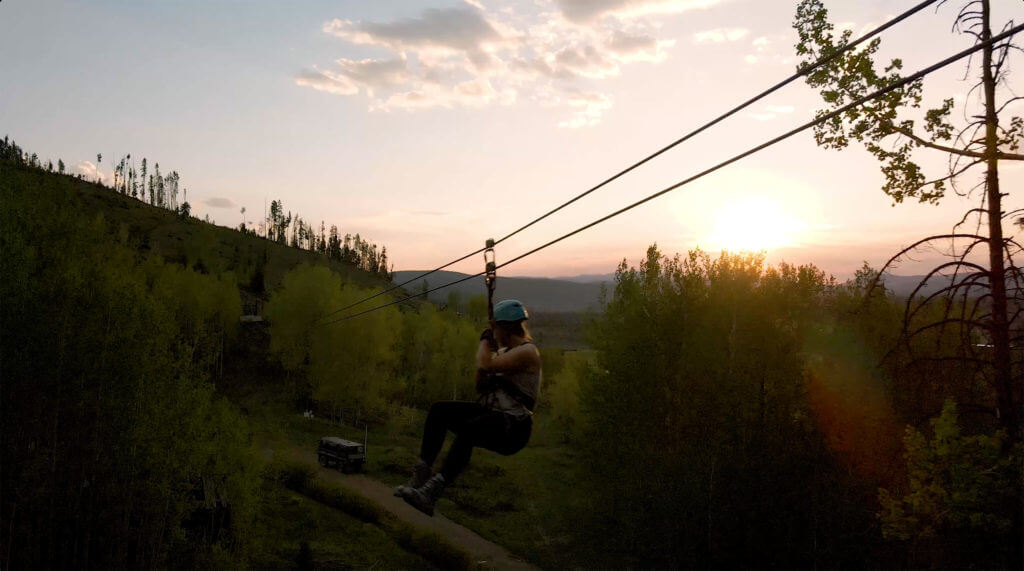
(524, 502)
(337, 540)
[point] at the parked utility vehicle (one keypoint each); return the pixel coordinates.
(346, 455)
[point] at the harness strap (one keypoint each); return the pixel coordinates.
(513, 390)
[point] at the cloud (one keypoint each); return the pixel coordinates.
(719, 35)
(373, 73)
(329, 82)
(91, 172)
(764, 50)
(638, 47)
(471, 93)
(455, 28)
(555, 52)
(219, 202)
(771, 111)
(586, 61)
(582, 11)
(459, 30)
(587, 109)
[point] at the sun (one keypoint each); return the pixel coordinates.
(754, 224)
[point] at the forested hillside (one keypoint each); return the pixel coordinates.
(122, 342)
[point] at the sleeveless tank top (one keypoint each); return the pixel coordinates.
(525, 382)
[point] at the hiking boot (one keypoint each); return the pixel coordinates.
(423, 498)
(421, 472)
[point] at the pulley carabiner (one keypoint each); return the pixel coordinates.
(490, 276)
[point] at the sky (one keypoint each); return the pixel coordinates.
(428, 126)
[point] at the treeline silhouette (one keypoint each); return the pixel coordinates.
(294, 231)
(151, 186)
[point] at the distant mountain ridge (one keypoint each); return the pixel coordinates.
(581, 293)
(539, 294)
(588, 278)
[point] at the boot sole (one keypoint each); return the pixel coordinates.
(429, 510)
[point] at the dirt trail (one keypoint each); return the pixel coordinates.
(485, 553)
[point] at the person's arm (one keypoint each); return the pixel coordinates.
(486, 347)
(483, 355)
(522, 358)
(483, 351)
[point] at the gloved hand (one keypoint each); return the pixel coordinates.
(487, 335)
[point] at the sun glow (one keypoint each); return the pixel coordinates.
(754, 224)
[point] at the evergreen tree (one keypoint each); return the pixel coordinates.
(158, 187)
(273, 222)
(334, 244)
(142, 184)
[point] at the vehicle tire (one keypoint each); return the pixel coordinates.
(357, 466)
(323, 460)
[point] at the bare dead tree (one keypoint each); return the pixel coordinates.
(980, 298)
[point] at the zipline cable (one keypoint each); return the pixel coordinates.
(826, 117)
(800, 73)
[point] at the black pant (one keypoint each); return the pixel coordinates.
(473, 425)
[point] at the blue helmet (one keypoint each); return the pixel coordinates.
(510, 310)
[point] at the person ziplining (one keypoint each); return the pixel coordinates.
(508, 381)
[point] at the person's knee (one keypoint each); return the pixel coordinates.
(437, 409)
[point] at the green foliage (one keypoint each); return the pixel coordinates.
(404, 421)
(476, 308)
(961, 494)
(562, 391)
(206, 307)
(287, 520)
(697, 433)
(111, 427)
(853, 75)
(437, 349)
(347, 364)
(431, 546)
